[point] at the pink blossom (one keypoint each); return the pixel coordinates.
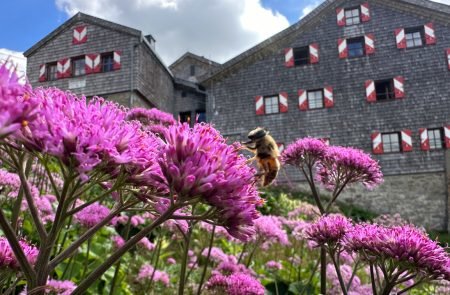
(273, 265)
(147, 271)
(345, 165)
(7, 257)
(17, 108)
(118, 241)
(146, 244)
(235, 284)
(329, 230)
(171, 260)
(197, 163)
(93, 214)
(399, 245)
(270, 229)
(60, 287)
(305, 151)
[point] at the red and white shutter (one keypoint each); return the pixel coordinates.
(365, 12)
(117, 62)
(259, 105)
(342, 46)
(92, 63)
(79, 35)
(448, 58)
(63, 68)
(399, 87)
(370, 43)
(340, 12)
(283, 102)
(303, 100)
(314, 53)
(400, 38)
(371, 94)
(406, 140)
(42, 73)
(289, 57)
(424, 140)
(280, 147)
(377, 143)
(430, 37)
(328, 94)
(447, 136)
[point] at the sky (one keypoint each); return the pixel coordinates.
(215, 29)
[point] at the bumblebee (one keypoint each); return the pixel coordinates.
(266, 154)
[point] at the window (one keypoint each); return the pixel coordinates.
(315, 99)
(271, 105)
(301, 56)
(436, 138)
(355, 47)
(183, 94)
(384, 89)
(107, 62)
(78, 64)
(391, 142)
(192, 69)
(352, 16)
(52, 71)
(201, 116)
(185, 117)
(414, 37)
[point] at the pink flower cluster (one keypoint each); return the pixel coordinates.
(86, 135)
(355, 288)
(92, 214)
(151, 116)
(329, 230)
(305, 151)
(235, 284)
(16, 106)
(345, 165)
(270, 229)
(336, 166)
(9, 182)
(60, 287)
(147, 271)
(197, 163)
(7, 257)
(401, 245)
(273, 265)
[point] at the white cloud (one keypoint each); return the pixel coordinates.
(308, 8)
(218, 29)
(442, 1)
(15, 59)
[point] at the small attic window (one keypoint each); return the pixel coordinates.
(192, 69)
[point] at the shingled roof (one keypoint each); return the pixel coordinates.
(439, 10)
(194, 56)
(99, 22)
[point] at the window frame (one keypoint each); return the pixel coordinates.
(48, 72)
(433, 138)
(399, 138)
(358, 8)
(103, 56)
(188, 115)
(321, 90)
(78, 60)
(389, 93)
(298, 60)
(276, 105)
(354, 41)
(412, 30)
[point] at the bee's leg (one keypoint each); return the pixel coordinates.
(251, 160)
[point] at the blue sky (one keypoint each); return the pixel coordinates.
(216, 29)
(25, 22)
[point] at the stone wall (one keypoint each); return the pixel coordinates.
(419, 198)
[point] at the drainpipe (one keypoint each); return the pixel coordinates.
(130, 102)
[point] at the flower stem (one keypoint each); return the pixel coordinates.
(187, 242)
(372, 278)
(86, 261)
(211, 242)
(99, 271)
(338, 272)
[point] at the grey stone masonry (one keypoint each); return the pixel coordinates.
(142, 74)
(416, 179)
(352, 120)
